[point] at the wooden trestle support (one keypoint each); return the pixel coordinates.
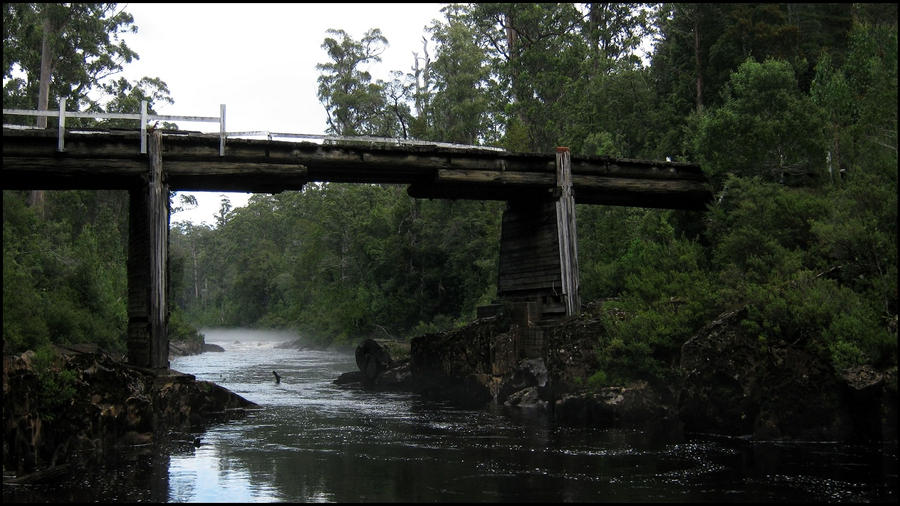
(148, 254)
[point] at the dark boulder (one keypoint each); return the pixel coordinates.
(637, 404)
(184, 348)
(398, 377)
(372, 359)
(527, 398)
(528, 373)
(349, 378)
(873, 397)
(464, 366)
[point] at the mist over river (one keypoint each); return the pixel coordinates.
(315, 442)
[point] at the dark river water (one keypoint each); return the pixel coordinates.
(314, 442)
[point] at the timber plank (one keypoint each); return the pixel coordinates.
(642, 169)
(493, 176)
(538, 281)
(584, 182)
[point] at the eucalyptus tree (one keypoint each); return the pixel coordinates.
(561, 73)
(536, 51)
(612, 101)
(354, 104)
(63, 50)
(463, 100)
(69, 51)
(398, 93)
(614, 32)
(699, 46)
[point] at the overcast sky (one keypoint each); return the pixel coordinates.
(260, 61)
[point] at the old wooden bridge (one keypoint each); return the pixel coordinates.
(538, 252)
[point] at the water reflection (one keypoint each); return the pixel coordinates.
(123, 475)
(208, 477)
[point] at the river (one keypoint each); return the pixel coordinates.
(315, 442)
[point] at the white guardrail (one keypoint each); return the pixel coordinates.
(361, 138)
(145, 118)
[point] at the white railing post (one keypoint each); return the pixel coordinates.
(221, 129)
(60, 142)
(143, 126)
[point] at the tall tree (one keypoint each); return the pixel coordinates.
(766, 127)
(536, 51)
(63, 50)
(463, 97)
(398, 93)
(614, 32)
(354, 103)
(684, 57)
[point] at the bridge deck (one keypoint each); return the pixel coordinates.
(110, 159)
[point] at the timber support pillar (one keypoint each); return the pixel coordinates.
(565, 227)
(148, 248)
(538, 248)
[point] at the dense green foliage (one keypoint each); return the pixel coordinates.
(340, 261)
(791, 110)
(64, 253)
(64, 274)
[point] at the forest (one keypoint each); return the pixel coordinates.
(790, 110)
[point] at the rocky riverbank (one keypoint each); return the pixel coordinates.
(85, 402)
(727, 383)
(184, 348)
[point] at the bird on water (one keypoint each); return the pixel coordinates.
(277, 377)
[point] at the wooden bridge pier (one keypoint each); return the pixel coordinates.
(148, 259)
(538, 248)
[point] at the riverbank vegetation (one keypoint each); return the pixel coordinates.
(791, 110)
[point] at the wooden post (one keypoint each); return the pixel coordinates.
(565, 226)
(148, 343)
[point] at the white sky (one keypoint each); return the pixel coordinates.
(260, 61)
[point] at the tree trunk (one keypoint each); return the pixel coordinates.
(44, 85)
(196, 278)
(37, 196)
(697, 61)
(36, 201)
